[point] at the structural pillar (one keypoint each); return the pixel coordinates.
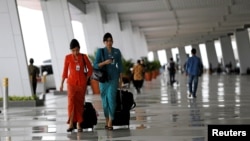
(78, 16)
(169, 54)
(211, 54)
(242, 41)
(13, 60)
(93, 27)
(127, 41)
(227, 51)
(156, 57)
(139, 48)
(183, 56)
(144, 45)
(60, 33)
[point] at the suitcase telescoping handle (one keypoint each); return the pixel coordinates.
(120, 93)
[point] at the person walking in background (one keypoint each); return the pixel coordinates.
(171, 70)
(194, 68)
(110, 59)
(77, 69)
(143, 73)
(34, 74)
(138, 76)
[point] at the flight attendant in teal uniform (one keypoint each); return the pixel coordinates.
(112, 62)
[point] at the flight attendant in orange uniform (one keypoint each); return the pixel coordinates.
(77, 69)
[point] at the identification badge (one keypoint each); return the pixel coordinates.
(77, 67)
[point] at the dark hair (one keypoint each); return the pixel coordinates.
(171, 59)
(138, 61)
(193, 51)
(74, 43)
(106, 36)
(31, 60)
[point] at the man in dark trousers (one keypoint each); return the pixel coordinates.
(194, 69)
(171, 70)
(34, 73)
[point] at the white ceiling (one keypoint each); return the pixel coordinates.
(176, 23)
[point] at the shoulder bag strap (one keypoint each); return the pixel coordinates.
(85, 67)
(102, 57)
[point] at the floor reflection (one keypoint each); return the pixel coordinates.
(199, 139)
(37, 138)
(195, 115)
(122, 132)
(174, 117)
(83, 136)
(44, 129)
(173, 98)
(162, 113)
(140, 118)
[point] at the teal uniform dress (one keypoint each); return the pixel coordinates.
(109, 89)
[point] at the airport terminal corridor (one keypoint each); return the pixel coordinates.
(163, 113)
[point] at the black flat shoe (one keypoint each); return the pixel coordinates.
(106, 127)
(70, 129)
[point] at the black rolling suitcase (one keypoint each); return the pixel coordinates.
(89, 116)
(124, 103)
(122, 117)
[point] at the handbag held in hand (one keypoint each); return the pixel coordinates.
(99, 75)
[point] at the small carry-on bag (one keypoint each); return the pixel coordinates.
(124, 103)
(89, 116)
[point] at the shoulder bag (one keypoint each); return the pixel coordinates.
(100, 74)
(85, 70)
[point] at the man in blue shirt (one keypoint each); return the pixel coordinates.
(194, 69)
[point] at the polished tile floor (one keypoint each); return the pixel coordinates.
(163, 113)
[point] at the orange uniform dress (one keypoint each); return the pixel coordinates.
(76, 84)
